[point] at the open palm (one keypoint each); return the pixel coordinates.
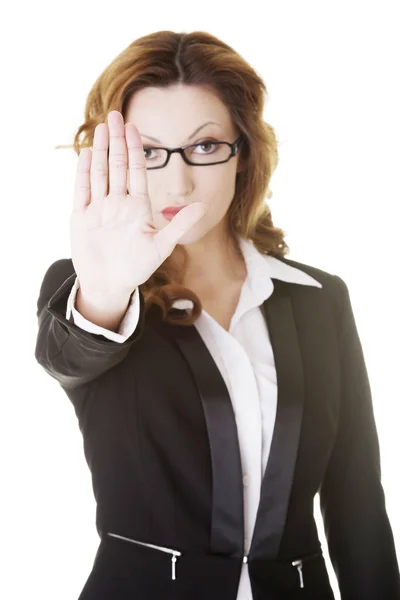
(114, 244)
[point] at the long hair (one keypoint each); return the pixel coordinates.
(166, 58)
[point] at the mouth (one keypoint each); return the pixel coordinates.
(172, 210)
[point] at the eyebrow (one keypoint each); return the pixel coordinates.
(189, 138)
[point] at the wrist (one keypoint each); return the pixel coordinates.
(103, 299)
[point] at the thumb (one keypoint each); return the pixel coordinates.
(170, 235)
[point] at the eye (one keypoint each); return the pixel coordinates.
(203, 144)
(147, 150)
(157, 152)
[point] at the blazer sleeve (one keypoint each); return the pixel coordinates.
(67, 352)
(352, 500)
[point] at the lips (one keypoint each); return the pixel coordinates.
(172, 210)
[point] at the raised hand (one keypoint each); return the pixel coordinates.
(114, 244)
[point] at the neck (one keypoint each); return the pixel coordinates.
(213, 262)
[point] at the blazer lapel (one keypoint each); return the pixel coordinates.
(278, 477)
(227, 522)
(227, 519)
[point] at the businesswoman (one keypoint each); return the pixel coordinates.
(218, 385)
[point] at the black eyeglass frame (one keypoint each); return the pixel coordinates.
(234, 149)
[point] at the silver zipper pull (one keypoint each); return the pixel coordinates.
(173, 559)
(299, 565)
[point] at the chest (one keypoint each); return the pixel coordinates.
(222, 307)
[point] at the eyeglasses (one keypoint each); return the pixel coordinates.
(222, 152)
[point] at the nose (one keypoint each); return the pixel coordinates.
(179, 180)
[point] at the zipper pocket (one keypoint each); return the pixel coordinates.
(174, 553)
(299, 565)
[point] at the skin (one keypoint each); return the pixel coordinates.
(216, 271)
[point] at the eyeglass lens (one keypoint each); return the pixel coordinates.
(201, 154)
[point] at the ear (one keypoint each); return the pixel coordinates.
(241, 162)
(240, 165)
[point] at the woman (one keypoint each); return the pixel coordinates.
(218, 385)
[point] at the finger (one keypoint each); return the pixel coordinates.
(167, 238)
(99, 166)
(138, 185)
(118, 157)
(82, 179)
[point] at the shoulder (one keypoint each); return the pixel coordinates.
(334, 289)
(324, 277)
(60, 270)
(318, 274)
(56, 274)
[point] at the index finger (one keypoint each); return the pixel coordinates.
(136, 162)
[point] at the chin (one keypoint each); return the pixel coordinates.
(198, 233)
(191, 237)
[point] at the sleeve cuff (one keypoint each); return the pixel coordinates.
(126, 328)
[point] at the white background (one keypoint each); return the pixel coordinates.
(332, 73)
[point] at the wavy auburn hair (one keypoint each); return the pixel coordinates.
(166, 58)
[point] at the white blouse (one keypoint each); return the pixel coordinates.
(245, 359)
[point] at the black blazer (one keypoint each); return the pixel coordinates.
(161, 442)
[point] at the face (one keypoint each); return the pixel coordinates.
(172, 115)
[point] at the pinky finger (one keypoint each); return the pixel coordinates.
(82, 179)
